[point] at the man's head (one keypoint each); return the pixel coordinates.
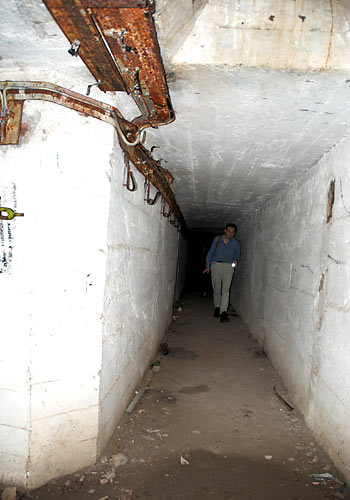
(230, 230)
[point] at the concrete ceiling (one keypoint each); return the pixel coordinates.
(261, 90)
(243, 134)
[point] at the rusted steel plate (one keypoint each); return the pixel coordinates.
(119, 4)
(118, 43)
(77, 24)
(11, 124)
(131, 36)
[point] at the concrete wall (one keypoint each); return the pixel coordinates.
(292, 289)
(313, 34)
(54, 284)
(140, 282)
(87, 284)
(174, 22)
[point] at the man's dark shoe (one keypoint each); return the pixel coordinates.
(224, 318)
(217, 312)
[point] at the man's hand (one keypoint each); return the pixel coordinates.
(206, 270)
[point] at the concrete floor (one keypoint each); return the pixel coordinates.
(209, 426)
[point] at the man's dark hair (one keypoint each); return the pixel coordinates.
(230, 224)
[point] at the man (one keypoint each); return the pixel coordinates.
(223, 256)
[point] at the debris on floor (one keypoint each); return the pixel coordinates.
(134, 402)
(164, 347)
(326, 476)
(118, 459)
(183, 461)
(281, 398)
(9, 493)
(207, 426)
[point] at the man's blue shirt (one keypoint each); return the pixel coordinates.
(224, 252)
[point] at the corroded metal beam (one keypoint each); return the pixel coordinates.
(120, 4)
(118, 43)
(23, 91)
(10, 122)
(77, 25)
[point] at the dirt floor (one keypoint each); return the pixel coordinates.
(209, 426)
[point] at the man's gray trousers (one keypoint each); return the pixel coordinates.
(221, 277)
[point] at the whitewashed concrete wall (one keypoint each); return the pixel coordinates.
(313, 34)
(140, 284)
(53, 284)
(87, 283)
(174, 22)
(293, 290)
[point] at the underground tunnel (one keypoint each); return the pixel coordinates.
(131, 133)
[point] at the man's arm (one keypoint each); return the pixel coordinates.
(210, 255)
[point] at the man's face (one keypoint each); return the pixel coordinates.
(229, 232)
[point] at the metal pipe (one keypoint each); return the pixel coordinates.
(122, 136)
(134, 151)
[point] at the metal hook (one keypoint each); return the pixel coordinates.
(165, 214)
(141, 135)
(150, 201)
(74, 48)
(130, 179)
(172, 218)
(124, 46)
(137, 85)
(98, 83)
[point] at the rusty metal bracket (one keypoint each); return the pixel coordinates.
(122, 135)
(118, 44)
(148, 199)
(11, 92)
(10, 119)
(149, 168)
(172, 218)
(130, 182)
(163, 212)
(129, 135)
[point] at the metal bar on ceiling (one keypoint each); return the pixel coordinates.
(118, 43)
